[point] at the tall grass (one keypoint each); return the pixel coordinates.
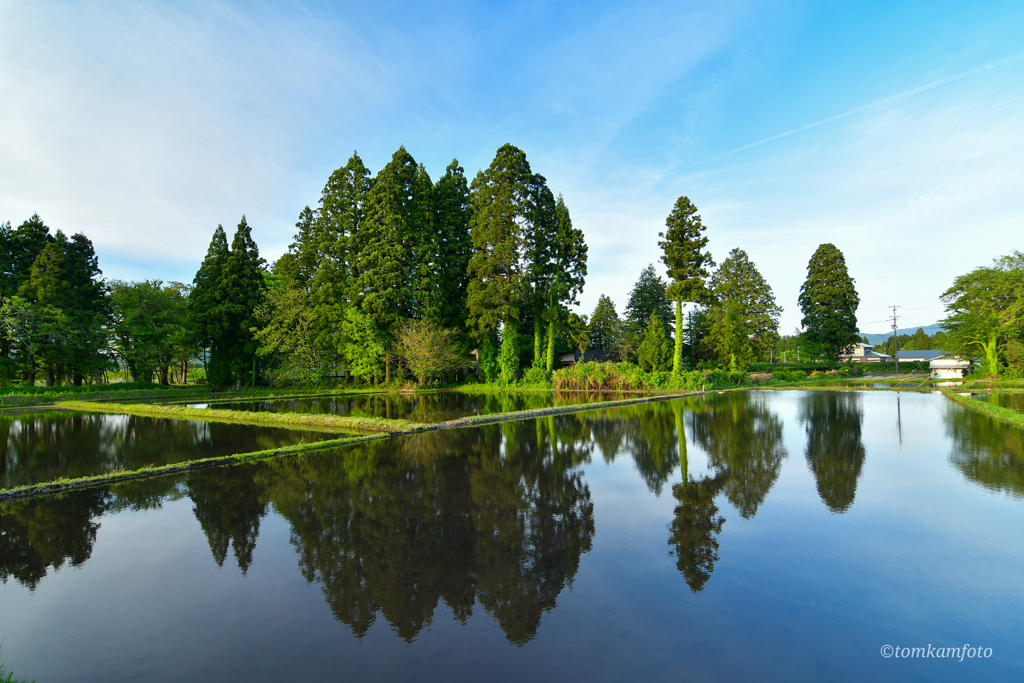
(629, 377)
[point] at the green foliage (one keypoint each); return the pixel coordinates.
(605, 326)
(508, 358)
(287, 337)
(488, 351)
(682, 244)
(395, 245)
(829, 301)
(149, 327)
(453, 247)
(647, 298)
(655, 352)
(429, 350)
(789, 375)
(501, 205)
(743, 322)
(592, 376)
(364, 345)
(985, 313)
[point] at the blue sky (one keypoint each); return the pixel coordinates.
(893, 130)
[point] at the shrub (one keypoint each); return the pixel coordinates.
(788, 376)
(629, 377)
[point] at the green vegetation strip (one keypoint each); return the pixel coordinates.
(321, 423)
(65, 485)
(996, 412)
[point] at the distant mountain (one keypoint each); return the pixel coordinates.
(882, 336)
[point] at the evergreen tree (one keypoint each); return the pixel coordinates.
(683, 242)
(604, 325)
(540, 235)
(21, 247)
(203, 301)
(64, 286)
(501, 203)
(570, 271)
(743, 322)
(453, 247)
(239, 290)
(647, 298)
(829, 301)
(655, 352)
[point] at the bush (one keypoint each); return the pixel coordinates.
(789, 375)
(629, 377)
(536, 376)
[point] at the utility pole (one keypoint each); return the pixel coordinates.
(895, 339)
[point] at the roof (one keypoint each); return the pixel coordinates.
(928, 354)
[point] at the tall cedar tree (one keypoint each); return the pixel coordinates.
(743, 322)
(683, 242)
(204, 298)
(332, 247)
(454, 247)
(829, 301)
(604, 325)
(502, 205)
(393, 280)
(570, 271)
(540, 235)
(64, 284)
(647, 298)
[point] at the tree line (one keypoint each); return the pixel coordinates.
(398, 273)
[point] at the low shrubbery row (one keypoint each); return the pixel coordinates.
(630, 377)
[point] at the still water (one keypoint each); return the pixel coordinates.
(431, 407)
(1004, 400)
(786, 536)
(39, 447)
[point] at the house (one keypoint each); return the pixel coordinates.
(947, 367)
(862, 353)
(920, 356)
(573, 357)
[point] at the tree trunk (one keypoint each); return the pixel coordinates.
(550, 364)
(677, 356)
(163, 375)
(536, 341)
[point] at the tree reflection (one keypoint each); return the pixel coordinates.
(987, 451)
(228, 504)
(743, 440)
(835, 452)
(744, 444)
(496, 515)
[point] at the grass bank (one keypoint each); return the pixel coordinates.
(322, 423)
(996, 412)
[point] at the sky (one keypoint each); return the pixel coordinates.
(893, 130)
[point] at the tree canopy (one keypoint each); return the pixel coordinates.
(829, 301)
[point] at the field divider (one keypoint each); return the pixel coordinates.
(400, 428)
(323, 423)
(995, 412)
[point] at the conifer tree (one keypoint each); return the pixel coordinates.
(570, 271)
(683, 242)
(604, 325)
(453, 247)
(655, 352)
(242, 288)
(829, 301)
(646, 298)
(743, 322)
(203, 301)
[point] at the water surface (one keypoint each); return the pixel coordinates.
(742, 536)
(38, 447)
(420, 407)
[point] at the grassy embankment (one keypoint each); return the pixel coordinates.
(321, 423)
(386, 429)
(20, 396)
(996, 412)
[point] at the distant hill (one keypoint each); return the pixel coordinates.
(882, 336)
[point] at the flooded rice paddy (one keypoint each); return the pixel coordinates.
(733, 537)
(427, 407)
(39, 447)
